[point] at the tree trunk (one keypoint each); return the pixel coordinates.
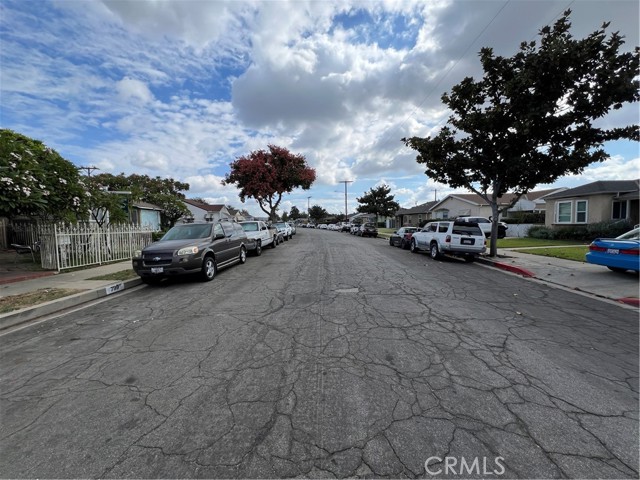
(493, 251)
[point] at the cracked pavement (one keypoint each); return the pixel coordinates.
(330, 356)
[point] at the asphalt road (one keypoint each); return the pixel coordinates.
(331, 355)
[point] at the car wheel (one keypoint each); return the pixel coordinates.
(617, 269)
(243, 255)
(274, 244)
(434, 251)
(258, 250)
(403, 244)
(151, 280)
(291, 236)
(209, 268)
(469, 258)
(414, 248)
(391, 242)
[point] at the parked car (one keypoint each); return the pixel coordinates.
(345, 227)
(485, 225)
(200, 248)
(260, 234)
(322, 226)
(355, 228)
(617, 254)
(285, 229)
(368, 230)
(293, 228)
(458, 238)
(402, 237)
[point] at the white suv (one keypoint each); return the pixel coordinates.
(485, 225)
(463, 239)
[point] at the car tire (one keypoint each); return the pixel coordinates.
(151, 280)
(414, 248)
(617, 269)
(274, 244)
(258, 250)
(243, 255)
(391, 242)
(434, 251)
(469, 258)
(209, 269)
(403, 244)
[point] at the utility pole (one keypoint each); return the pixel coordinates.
(308, 217)
(88, 169)
(346, 212)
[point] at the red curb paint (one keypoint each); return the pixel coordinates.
(514, 269)
(634, 302)
(24, 276)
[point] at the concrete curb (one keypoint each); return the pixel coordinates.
(23, 315)
(507, 267)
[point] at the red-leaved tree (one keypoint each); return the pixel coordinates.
(267, 175)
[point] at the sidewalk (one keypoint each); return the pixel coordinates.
(78, 280)
(580, 276)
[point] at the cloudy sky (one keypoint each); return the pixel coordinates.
(182, 88)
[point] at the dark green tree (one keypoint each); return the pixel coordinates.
(166, 193)
(285, 217)
(317, 213)
(36, 181)
(532, 118)
(294, 214)
(378, 201)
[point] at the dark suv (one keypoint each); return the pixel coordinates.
(368, 230)
(192, 248)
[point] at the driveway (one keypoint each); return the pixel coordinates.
(329, 356)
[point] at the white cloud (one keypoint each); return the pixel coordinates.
(129, 88)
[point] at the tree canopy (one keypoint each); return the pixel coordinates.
(317, 213)
(166, 193)
(533, 117)
(294, 214)
(267, 175)
(378, 201)
(36, 181)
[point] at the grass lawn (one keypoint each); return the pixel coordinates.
(568, 253)
(16, 302)
(533, 242)
(121, 275)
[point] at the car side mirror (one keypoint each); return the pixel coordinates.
(218, 236)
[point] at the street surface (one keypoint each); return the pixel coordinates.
(331, 355)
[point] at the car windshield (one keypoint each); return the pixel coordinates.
(632, 235)
(410, 230)
(249, 227)
(186, 232)
(466, 230)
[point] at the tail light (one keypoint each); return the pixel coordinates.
(631, 251)
(447, 239)
(595, 248)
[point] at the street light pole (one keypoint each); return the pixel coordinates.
(308, 217)
(346, 212)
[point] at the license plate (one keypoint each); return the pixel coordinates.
(613, 251)
(467, 241)
(157, 269)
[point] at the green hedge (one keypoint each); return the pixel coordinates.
(525, 217)
(582, 233)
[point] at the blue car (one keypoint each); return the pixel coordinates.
(618, 254)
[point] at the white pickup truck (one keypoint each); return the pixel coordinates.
(463, 239)
(261, 235)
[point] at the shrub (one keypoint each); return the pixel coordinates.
(610, 229)
(542, 233)
(525, 217)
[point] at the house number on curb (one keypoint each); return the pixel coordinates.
(114, 288)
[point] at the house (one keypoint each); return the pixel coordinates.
(145, 214)
(533, 202)
(203, 212)
(414, 216)
(468, 204)
(238, 215)
(601, 201)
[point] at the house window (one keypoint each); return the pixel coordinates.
(419, 219)
(563, 212)
(581, 211)
(619, 210)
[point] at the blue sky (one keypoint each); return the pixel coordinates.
(182, 88)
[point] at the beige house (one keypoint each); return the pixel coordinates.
(414, 216)
(600, 201)
(467, 204)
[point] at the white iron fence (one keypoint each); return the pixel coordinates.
(64, 246)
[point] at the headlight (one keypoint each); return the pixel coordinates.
(188, 251)
(137, 254)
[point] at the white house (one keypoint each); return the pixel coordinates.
(202, 212)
